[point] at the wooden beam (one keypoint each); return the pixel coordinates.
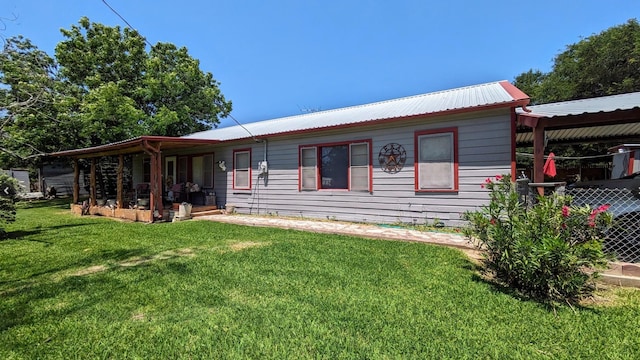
(593, 119)
(527, 120)
(76, 181)
(152, 186)
(119, 187)
(538, 155)
(92, 183)
(155, 193)
(158, 172)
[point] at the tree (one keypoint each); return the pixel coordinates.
(602, 64)
(531, 83)
(102, 86)
(29, 121)
(162, 92)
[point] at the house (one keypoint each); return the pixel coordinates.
(415, 159)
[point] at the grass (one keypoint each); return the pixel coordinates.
(85, 287)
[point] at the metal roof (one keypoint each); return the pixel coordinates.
(585, 106)
(464, 99)
(612, 106)
(133, 145)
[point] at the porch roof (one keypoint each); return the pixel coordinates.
(135, 145)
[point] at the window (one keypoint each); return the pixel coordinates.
(360, 167)
(436, 163)
(308, 170)
(146, 170)
(341, 166)
(334, 167)
(207, 171)
(183, 169)
(242, 169)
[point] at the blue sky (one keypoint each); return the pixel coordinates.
(283, 57)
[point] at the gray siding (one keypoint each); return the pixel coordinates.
(484, 150)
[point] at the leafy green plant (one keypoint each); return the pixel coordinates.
(548, 251)
(8, 193)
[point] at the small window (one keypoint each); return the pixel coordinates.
(437, 160)
(342, 166)
(308, 171)
(242, 169)
(360, 167)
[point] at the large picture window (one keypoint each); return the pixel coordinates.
(436, 163)
(337, 166)
(242, 169)
(203, 170)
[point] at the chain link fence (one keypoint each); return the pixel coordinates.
(623, 238)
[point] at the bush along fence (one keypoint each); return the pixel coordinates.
(549, 251)
(622, 240)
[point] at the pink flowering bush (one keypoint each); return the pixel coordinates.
(548, 251)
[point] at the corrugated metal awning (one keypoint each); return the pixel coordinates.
(603, 118)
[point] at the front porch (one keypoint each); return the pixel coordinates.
(158, 191)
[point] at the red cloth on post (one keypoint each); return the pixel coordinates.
(549, 168)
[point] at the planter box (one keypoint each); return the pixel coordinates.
(127, 214)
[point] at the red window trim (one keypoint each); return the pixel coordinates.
(369, 142)
(235, 151)
(416, 162)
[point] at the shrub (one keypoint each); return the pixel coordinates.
(8, 196)
(548, 251)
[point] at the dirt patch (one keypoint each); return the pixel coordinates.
(90, 270)
(474, 255)
(135, 261)
(138, 317)
(165, 255)
(245, 245)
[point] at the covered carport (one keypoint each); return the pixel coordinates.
(605, 119)
(608, 120)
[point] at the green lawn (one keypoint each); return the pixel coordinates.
(83, 287)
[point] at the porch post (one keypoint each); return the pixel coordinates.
(155, 196)
(538, 155)
(119, 192)
(153, 185)
(92, 183)
(155, 201)
(76, 181)
(158, 171)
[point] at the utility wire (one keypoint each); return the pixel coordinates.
(242, 126)
(125, 21)
(145, 39)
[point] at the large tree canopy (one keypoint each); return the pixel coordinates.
(607, 63)
(102, 86)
